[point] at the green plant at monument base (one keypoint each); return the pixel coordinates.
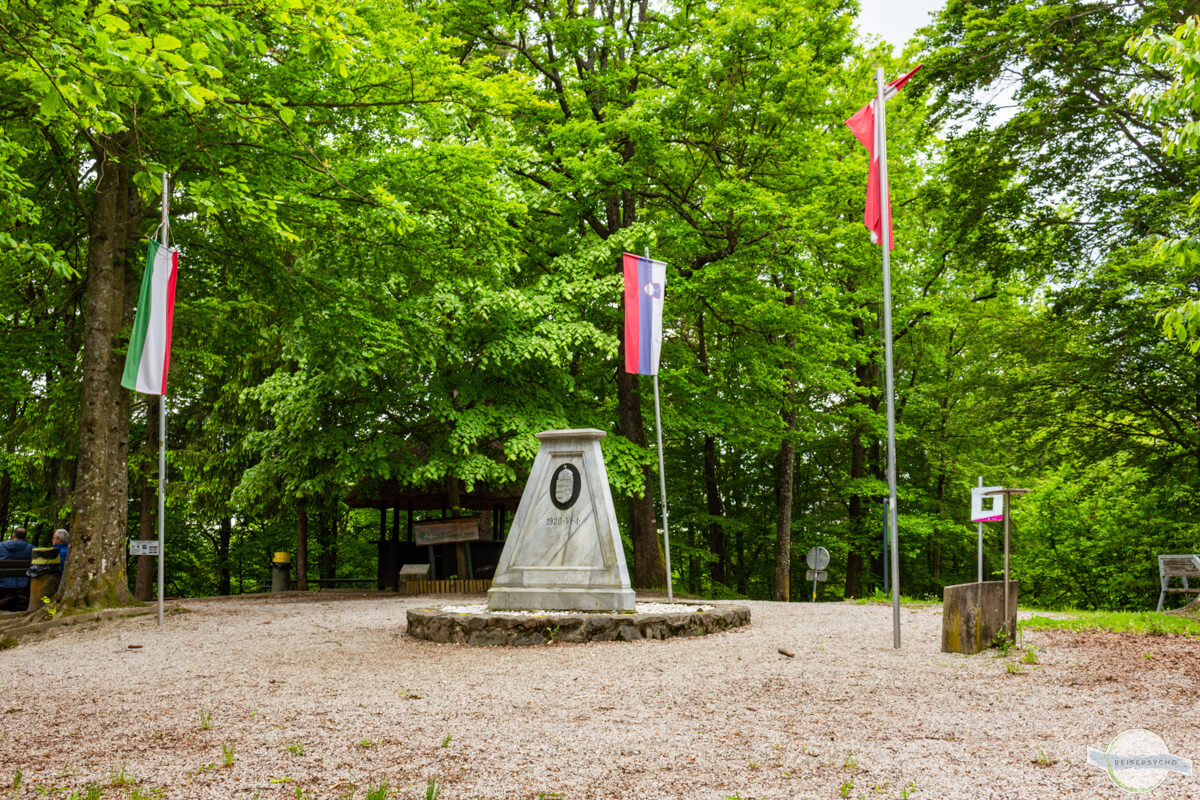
(227, 753)
(1003, 644)
(367, 744)
(446, 741)
(907, 791)
(378, 792)
(118, 777)
(847, 787)
(433, 789)
(295, 748)
(1148, 623)
(1031, 656)
(93, 791)
(8, 642)
(139, 793)
(1014, 668)
(205, 719)
(851, 761)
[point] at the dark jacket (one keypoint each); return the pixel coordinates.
(15, 548)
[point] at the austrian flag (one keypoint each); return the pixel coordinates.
(864, 125)
(149, 354)
(644, 283)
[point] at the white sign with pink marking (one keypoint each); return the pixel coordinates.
(986, 509)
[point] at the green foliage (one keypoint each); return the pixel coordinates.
(118, 777)
(1147, 623)
(400, 226)
(381, 791)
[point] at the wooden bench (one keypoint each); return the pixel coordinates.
(14, 568)
(1181, 566)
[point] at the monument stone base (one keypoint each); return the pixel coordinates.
(557, 599)
(564, 551)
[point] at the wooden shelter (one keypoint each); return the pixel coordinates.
(466, 546)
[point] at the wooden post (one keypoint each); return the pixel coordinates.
(45, 563)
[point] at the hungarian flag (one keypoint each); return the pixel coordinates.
(644, 282)
(864, 127)
(149, 354)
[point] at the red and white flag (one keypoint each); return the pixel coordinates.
(863, 125)
(149, 354)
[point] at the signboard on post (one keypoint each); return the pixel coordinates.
(818, 560)
(446, 531)
(985, 508)
(143, 547)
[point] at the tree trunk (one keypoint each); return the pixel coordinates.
(302, 544)
(143, 585)
(5, 495)
(224, 535)
(719, 566)
(858, 512)
(717, 545)
(95, 574)
(784, 487)
(327, 538)
(649, 570)
(866, 376)
(783, 507)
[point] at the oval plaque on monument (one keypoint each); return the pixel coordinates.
(563, 551)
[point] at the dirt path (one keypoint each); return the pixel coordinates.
(328, 695)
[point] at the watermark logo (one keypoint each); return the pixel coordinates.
(1138, 761)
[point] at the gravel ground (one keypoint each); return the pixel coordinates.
(323, 695)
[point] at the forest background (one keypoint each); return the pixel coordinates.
(400, 223)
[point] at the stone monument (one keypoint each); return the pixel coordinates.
(563, 551)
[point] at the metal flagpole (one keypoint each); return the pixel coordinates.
(162, 424)
(889, 379)
(662, 478)
(886, 533)
(979, 575)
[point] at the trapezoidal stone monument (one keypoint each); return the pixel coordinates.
(563, 551)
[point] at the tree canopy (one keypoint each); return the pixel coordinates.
(400, 225)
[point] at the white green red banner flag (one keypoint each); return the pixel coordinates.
(149, 355)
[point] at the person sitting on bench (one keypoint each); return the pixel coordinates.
(60, 542)
(18, 548)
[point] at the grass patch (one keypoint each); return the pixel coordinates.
(879, 596)
(1147, 623)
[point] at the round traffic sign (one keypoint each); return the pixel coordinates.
(818, 558)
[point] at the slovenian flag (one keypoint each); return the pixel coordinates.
(149, 354)
(644, 282)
